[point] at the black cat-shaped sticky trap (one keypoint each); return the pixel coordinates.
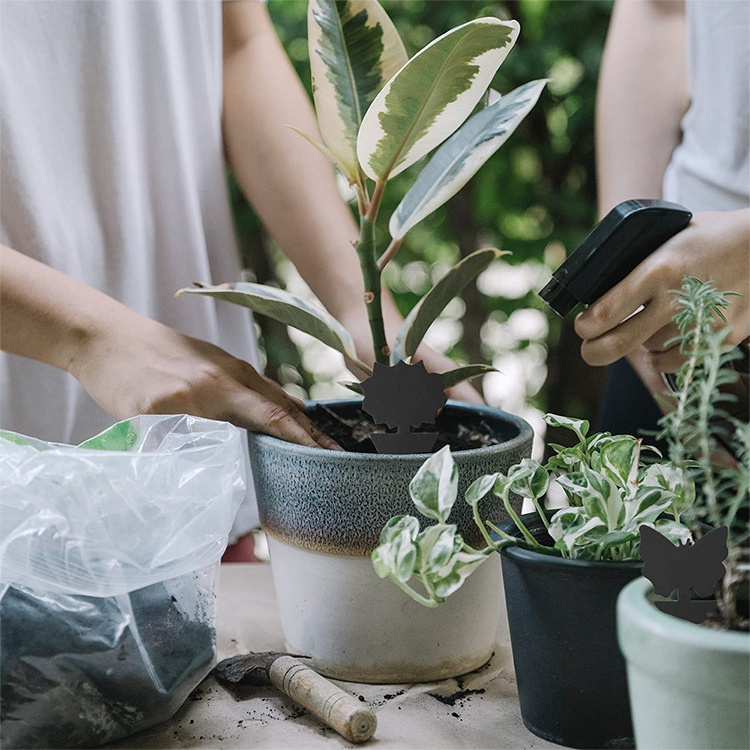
(690, 566)
(402, 396)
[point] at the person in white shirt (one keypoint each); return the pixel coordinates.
(115, 122)
(673, 122)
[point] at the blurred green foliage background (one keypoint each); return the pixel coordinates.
(535, 198)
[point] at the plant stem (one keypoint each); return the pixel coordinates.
(423, 600)
(480, 524)
(371, 276)
(517, 521)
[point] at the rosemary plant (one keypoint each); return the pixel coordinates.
(708, 442)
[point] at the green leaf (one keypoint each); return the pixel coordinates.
(462, 565)
(579, 426)
(396, 555)
(429, 98)
(424, 313)
(601, 498)
(354, 49)
(353, 385)
(528, 479)
(434, 487)
(676, 532)
(620, 458)
(288, 309)
(479, 488)
(461, 156)
(460, 374)
(569, 529)
(436, 546)
(118, 437)
(648, 504)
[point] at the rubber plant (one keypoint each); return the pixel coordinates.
(378, 114)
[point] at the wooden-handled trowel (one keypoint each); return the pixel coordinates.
(340, 710)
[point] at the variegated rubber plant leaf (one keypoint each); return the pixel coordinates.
(424, 313)
(354, 50)
(432, 95)
(461, 156)
(288, 309)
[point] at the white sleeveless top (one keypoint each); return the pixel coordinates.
(112, 171)
(710, 169)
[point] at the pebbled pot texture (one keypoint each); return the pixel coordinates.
(323, 512)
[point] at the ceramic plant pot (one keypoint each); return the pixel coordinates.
(323, 512)
(572, 685)
(689, 684)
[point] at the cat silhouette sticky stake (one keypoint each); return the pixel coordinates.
(691, 566)
(403, 396)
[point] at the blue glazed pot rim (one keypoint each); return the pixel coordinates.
(525, 434)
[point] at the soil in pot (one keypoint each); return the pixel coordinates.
(571, 677)
(351, 428)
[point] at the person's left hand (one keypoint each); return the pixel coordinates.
(638, 311)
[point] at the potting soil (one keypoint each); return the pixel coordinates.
(82, 671)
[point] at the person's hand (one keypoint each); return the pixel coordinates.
(638, 311)
(145, 367)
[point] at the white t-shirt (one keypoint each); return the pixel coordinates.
(710, 169)
(112, 169)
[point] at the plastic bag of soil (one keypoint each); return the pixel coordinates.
(109, 557)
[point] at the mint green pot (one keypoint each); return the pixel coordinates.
(689, 685)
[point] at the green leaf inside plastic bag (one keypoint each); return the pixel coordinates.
(118, 437)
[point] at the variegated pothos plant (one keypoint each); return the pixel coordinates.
(610, 493)
(378, 113)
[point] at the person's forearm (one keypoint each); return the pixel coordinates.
(641, 99)
(47, 315)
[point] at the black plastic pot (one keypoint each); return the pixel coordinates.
(572, 684)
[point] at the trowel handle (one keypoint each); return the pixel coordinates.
(340, 710)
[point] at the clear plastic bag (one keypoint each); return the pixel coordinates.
(108, 559)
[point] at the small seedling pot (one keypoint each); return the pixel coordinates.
(689, 684)
(572, 685)
(323, 512)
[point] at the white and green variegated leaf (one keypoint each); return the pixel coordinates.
(424, 313)
(461, 566)
(529, 479)
(432, 95)
(601, 498)
(354, 50)
(676, 532)
(434, 487)
(460, 374)
(648, 504)
(671, 477)
(480, 487)
(579, 426)
(569, 530)
(618, 537)
(620, 459)
(437, 544)
(288, 309)
(396, 555)
(461, 156)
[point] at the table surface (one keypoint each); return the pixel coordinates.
(478, 710)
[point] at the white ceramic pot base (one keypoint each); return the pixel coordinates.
(355, 626)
